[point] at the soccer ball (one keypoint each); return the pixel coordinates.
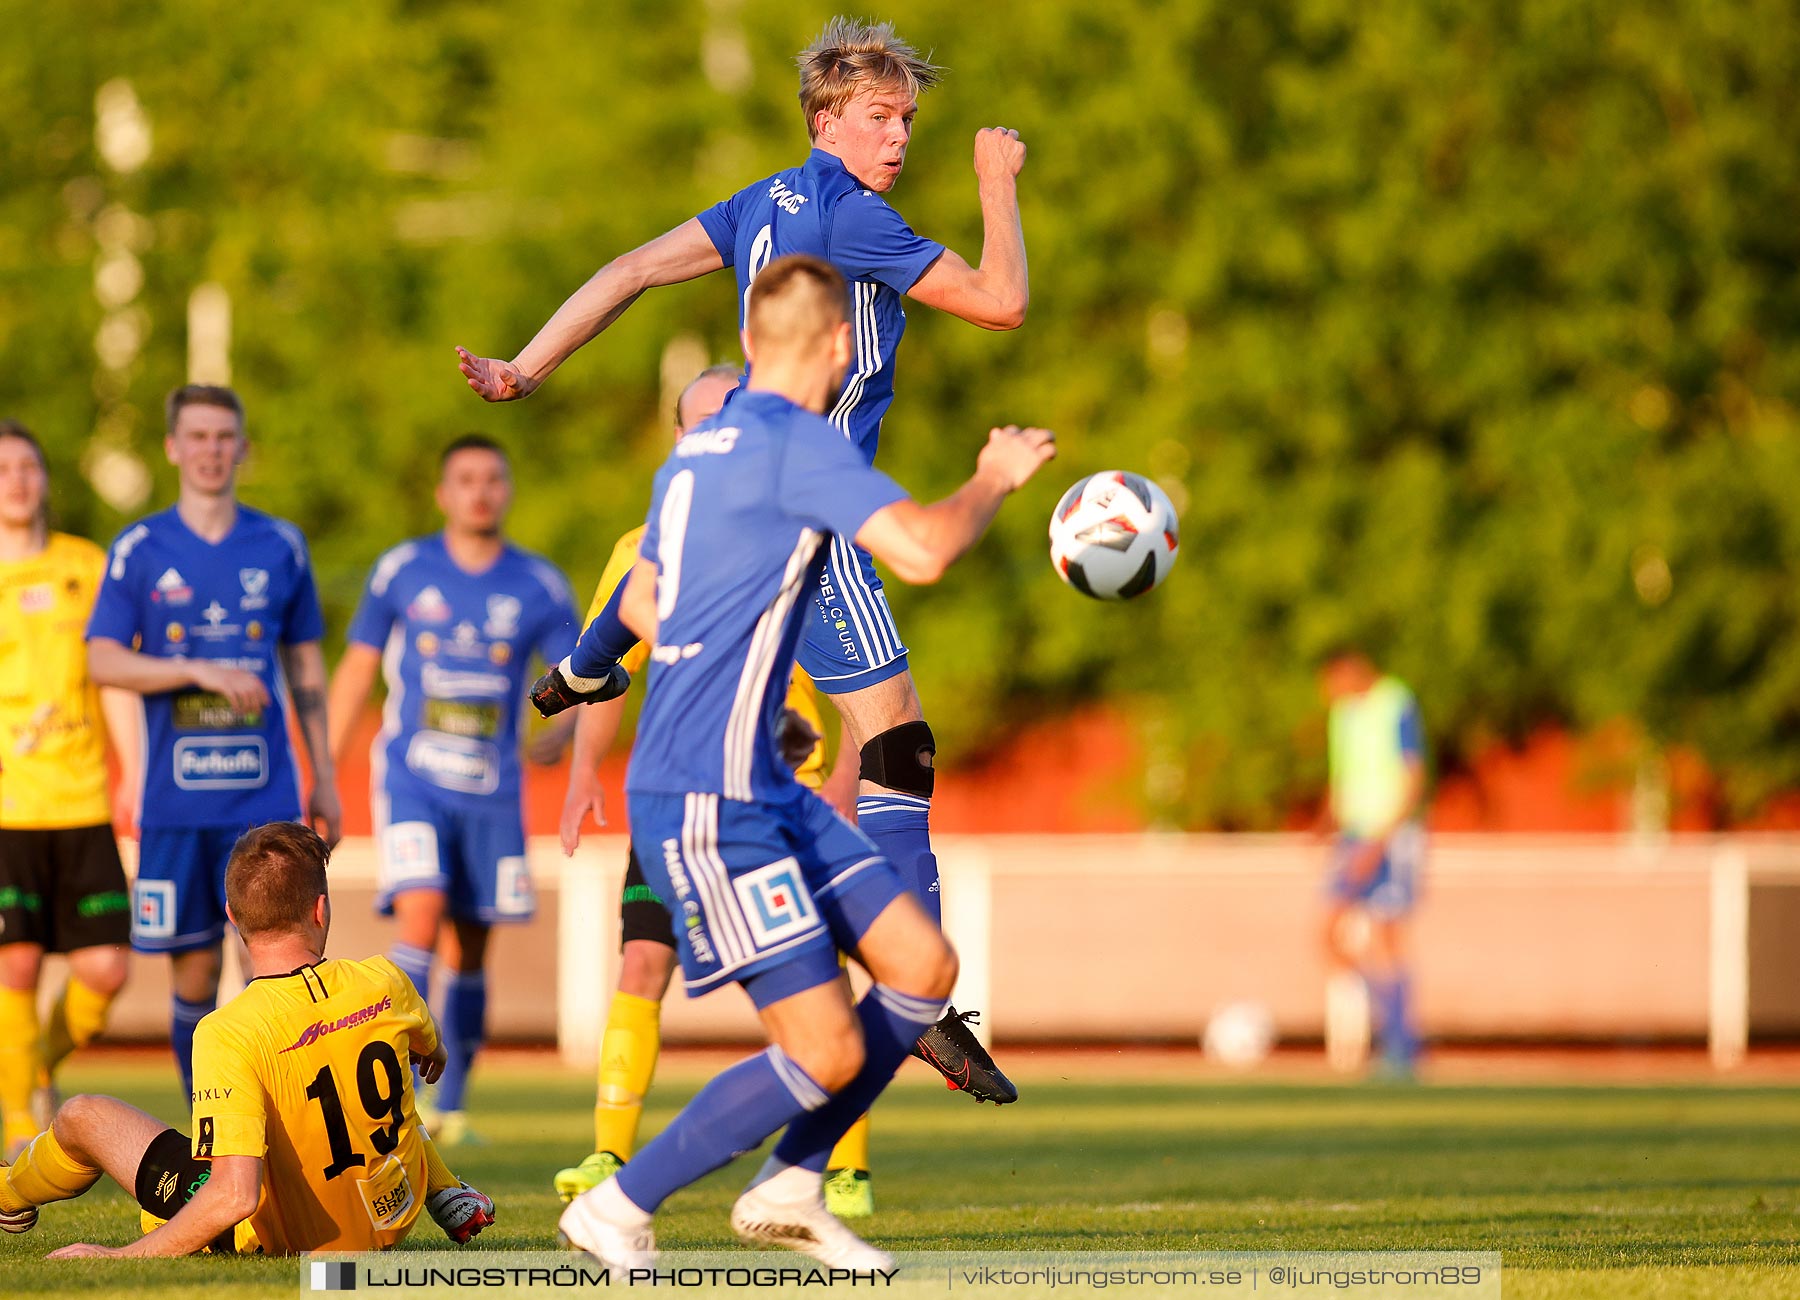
(1239, 1035)
(1113, 535)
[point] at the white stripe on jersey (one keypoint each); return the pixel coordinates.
(753, 683)
(869, 361)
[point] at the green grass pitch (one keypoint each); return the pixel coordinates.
(1587, 1191)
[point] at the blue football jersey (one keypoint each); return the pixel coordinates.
(738, 519)
(821, 209)
(172, 594)
(456, 656)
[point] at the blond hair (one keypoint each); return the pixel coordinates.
(795, 302)
(851, 56)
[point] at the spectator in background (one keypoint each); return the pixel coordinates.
(1377, 785)
(62, 888)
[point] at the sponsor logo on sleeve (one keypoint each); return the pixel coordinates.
(221, 763)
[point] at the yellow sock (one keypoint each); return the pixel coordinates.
(75, 1021)
(437, 1173)
(19, 1061)
(628, 1053)
(43, 1173)
(852, 1150)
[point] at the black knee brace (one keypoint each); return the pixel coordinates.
(900, 759)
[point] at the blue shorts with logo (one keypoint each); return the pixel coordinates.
(850, 641)
(763, 894)
(1392, 890)
(178, 897)
(472, 851)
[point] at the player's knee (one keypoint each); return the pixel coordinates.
(103, 972)
(646, 968)
(940, 969)
(77, 1117)
(902, 758)
(838, 1062)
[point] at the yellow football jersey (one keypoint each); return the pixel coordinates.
(52, 740)
(802, 694)
(312, 1072)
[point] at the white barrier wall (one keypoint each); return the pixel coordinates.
(1141, 937)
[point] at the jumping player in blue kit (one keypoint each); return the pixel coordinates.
(209, 612)
(859, 88)
(452, 620)
(767, 883)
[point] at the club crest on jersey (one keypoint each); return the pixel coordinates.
(256, 588)
(172, 589)
(503, 616)
(429, 606)
(775, 902)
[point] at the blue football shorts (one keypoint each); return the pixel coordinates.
(178, 897)
(472, 852)
(850, 641)
(1393, 889)
(763, 894)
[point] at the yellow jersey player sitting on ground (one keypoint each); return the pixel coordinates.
(305, 1137)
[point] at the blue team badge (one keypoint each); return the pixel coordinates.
(775, 902)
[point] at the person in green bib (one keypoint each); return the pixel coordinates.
(1377, 785)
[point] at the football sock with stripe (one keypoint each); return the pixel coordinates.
(464, 1025)
(731, 1115)
(891, 1023)
(76, 1019)
(44, 1172)
(184, 1018)
(900, 825)
(628, 1053)
(19, 1061)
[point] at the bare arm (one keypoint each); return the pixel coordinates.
(113, 664)
(350, 687)
(227, 1198)
(596, 727)
(304, 664)
(682, 254)
(124, 734)
(920, 542)
(995, 294)
(637, 610)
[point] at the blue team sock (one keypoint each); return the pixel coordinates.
(184, 1018)
(1392, 997)
(733, 1114)
(464, 1025)
(900, 825)
(604, 641)
(891, 1023)
(415, 963)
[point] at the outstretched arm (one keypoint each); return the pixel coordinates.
(995, 294)
(683, 254)
(919, 542)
